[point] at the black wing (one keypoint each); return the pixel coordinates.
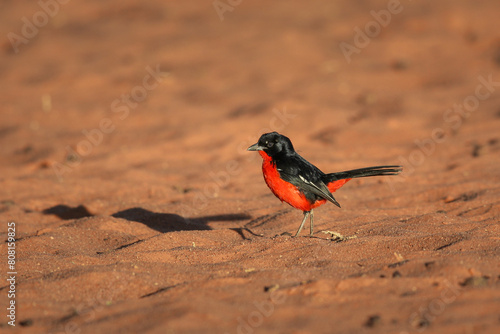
(306, 177)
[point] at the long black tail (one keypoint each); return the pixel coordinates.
(363, 172)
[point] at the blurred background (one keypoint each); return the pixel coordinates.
(343, 73)
(167, 94)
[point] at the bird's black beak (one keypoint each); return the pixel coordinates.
(255, 147)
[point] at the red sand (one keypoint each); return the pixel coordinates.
(137, 209)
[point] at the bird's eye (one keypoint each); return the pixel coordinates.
(269, 143)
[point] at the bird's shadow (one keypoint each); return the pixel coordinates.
(161, 222)
(66, 212)
(170, 222)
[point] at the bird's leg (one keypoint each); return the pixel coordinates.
(306, 213)
(312, 222)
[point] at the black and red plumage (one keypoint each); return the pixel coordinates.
(299, 183)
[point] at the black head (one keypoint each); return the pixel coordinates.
(273, 144)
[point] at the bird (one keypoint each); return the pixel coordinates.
(296, 181)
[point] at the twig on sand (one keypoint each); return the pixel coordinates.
(336, 236)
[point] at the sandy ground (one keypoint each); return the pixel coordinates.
(137, 209)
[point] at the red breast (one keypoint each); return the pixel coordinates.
(286, 191)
